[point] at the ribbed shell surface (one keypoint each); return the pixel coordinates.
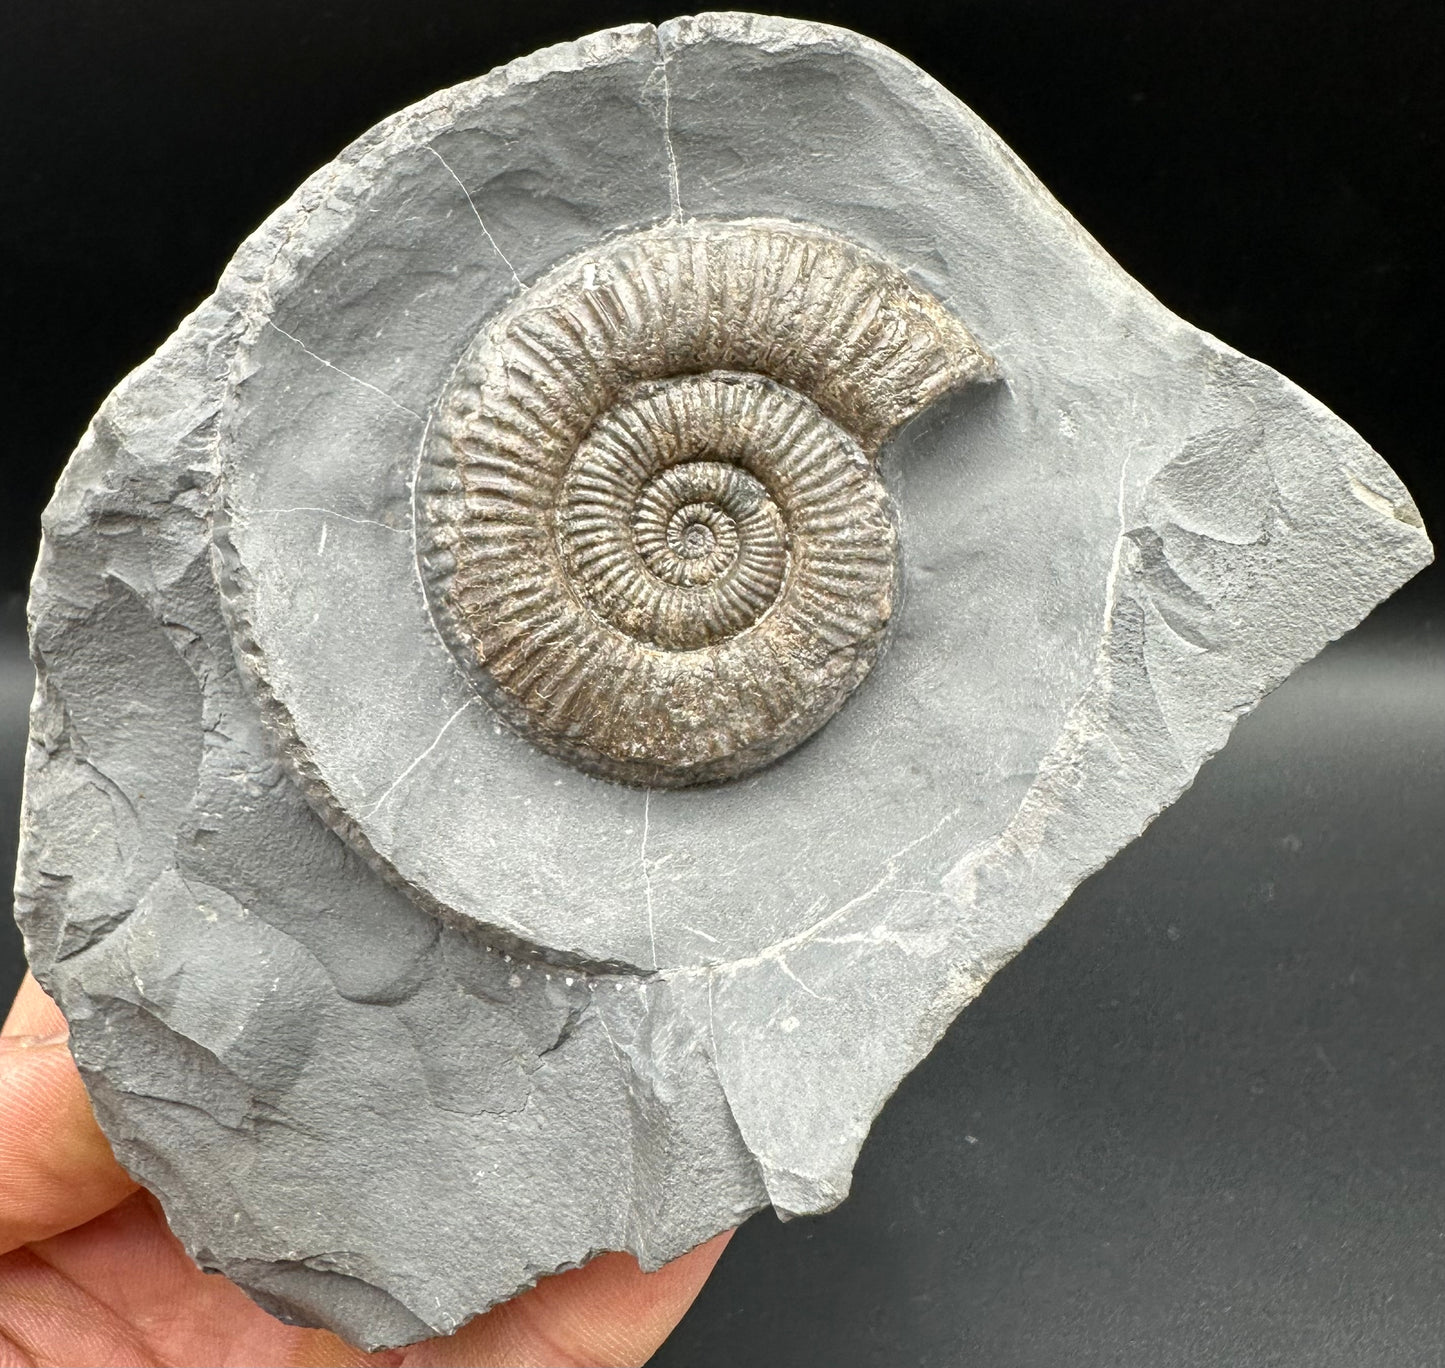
(649, 519)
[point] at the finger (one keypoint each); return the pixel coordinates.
(33, 1013)
(56, 1169)
(121, 1289)
(605, 1315)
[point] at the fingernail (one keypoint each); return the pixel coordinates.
(33, 1042)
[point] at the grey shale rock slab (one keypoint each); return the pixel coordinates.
(397, 1011)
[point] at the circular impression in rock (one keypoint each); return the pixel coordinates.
(617, 541)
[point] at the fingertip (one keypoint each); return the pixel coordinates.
(34, 1013)
(608, 1314)
(56, 1167)
(696, 1266)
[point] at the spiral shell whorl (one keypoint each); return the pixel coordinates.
(649, 520)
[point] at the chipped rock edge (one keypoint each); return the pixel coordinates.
(125, 564)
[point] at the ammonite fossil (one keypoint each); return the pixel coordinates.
(652, 526)
(538, 442)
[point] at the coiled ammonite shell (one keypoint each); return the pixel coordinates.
(649, 516)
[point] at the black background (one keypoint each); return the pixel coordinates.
(1199, 1120)
(1272, 171)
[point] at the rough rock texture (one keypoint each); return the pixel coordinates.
(498, 1015)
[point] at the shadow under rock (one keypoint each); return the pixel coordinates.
(17, 682)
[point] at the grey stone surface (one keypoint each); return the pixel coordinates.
(513, 1015)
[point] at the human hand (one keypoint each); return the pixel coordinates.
(90, 1272)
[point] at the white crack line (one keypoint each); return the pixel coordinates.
(355, 379)
(481, 223)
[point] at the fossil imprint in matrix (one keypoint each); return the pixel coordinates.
(655, 573)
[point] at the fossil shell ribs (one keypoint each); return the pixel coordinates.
(649, 519)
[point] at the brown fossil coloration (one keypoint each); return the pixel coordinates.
(649, 519)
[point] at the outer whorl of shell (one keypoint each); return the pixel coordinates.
(650, 523)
